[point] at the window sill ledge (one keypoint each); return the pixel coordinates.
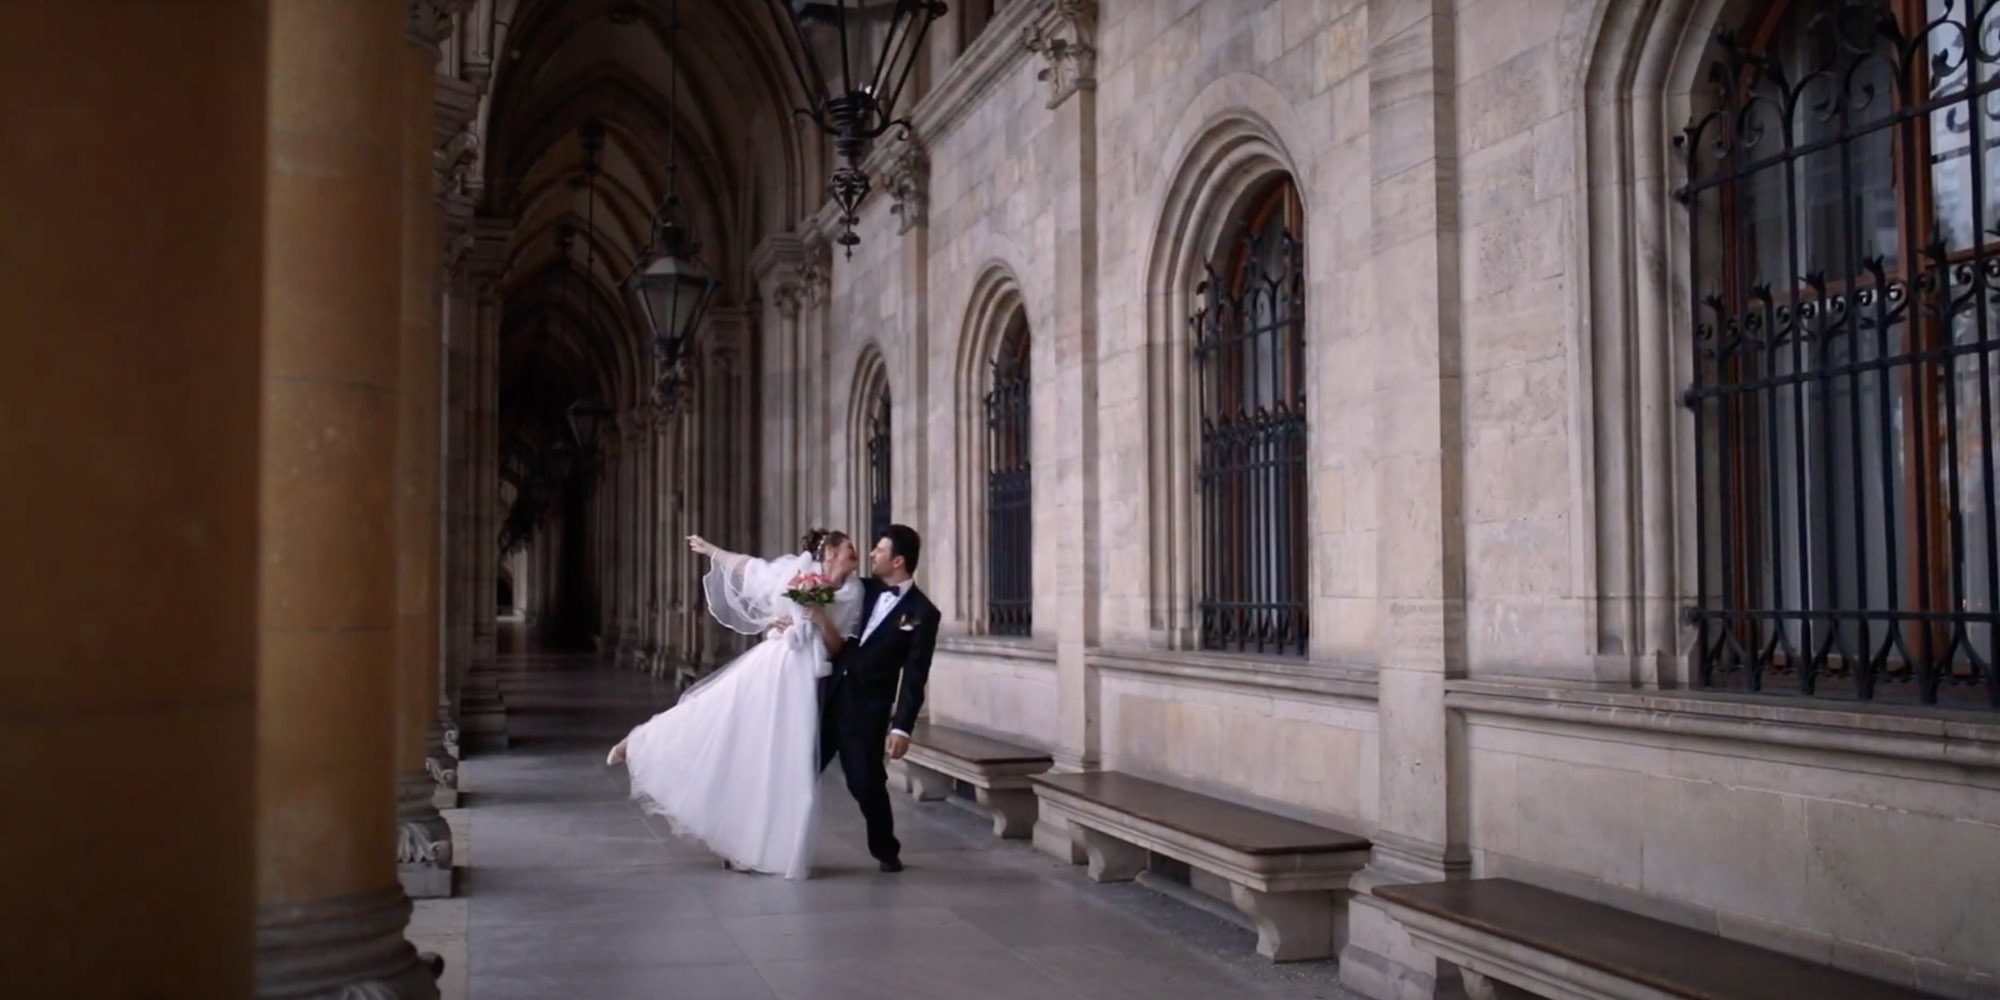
(1273, 674)
(1018, 648)
(1930, 736)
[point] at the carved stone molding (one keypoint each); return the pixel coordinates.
(907, 180)
(430, 21)
(423, 838)
(452, 163)
(790, 298)
(816, 271)
(1065, 36)
(345, 947)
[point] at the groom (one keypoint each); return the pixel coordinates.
(869, 704)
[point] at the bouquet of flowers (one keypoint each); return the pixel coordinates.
(810, 589)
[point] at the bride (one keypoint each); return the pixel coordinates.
(735, 762)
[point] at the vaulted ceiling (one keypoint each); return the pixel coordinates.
(567, 68)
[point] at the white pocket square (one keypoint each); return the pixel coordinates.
(907, 628)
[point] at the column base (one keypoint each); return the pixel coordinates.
(482, 715)
(485, 727)
(347, 948)
(423, 840)
(1379, 959)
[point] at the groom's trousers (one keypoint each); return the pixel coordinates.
(855, 728)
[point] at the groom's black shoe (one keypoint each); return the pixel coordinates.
(892, 866)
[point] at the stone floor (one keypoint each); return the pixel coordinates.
(566, 891)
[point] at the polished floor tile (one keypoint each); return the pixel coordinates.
(568, 891)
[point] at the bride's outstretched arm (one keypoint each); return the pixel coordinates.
(721, 557)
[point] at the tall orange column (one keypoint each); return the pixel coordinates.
(133, 235)
(330, 912)
(423, 839)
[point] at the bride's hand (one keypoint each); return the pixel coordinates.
(700, 545)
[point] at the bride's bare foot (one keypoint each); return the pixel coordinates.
(617, 755)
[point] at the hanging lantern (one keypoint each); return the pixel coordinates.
(674, 288)
(857, 56)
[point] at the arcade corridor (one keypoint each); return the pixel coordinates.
(568, 892)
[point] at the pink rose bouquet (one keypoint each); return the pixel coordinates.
(810, 589)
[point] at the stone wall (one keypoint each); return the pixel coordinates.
(1493, 681)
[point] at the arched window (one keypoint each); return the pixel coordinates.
(1844, 227)
(1249, 336)
(1010, 548)
(878, 464)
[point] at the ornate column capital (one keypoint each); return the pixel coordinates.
(430, 21)
(1064, 34)
(816, 271)
(789, 297)
(907, 179)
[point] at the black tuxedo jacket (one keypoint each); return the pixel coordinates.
(892, 664)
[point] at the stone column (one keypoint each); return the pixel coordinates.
(458, 536)
(821, 484)
(486, 467)
(631, 535)
(907, 180)
(423, 839)
(128, 418)
(1065, 39)
(1421, 832)
(331, 914)
(482, 712)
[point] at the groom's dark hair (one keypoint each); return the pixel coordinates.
(904, 541)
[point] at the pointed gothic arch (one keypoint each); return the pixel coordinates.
(993, 390)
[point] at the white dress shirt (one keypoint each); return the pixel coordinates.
(885, 602)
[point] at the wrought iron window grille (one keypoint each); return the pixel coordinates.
(878, 455)
(1844, 243)
(1010, 548)
(1248, 332)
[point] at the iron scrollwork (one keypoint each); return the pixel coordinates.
(1844, 250)
(1250, 358)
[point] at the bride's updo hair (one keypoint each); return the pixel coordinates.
(818, 540)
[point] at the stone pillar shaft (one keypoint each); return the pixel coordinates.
(483, 718)
(1421, 831)
(134, 242)
(423, 840)
(330, 914)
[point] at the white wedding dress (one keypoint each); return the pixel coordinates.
(735, 763)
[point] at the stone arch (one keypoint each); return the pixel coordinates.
(1224, 162)
(1635, 442)
(870, 390)
(995, 308)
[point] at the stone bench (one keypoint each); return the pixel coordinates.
(1289, 877)
(1512, 939)
(997, 771)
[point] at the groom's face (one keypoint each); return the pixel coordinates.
(882, 558)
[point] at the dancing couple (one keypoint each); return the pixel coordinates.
(840, 673)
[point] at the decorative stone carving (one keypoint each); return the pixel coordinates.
(789, 298)
(816, 272)
(908, 183)
(423, 838)
(442, 773)
(418, 845)
(1064, 35)
(430, 21)
(454, 159)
